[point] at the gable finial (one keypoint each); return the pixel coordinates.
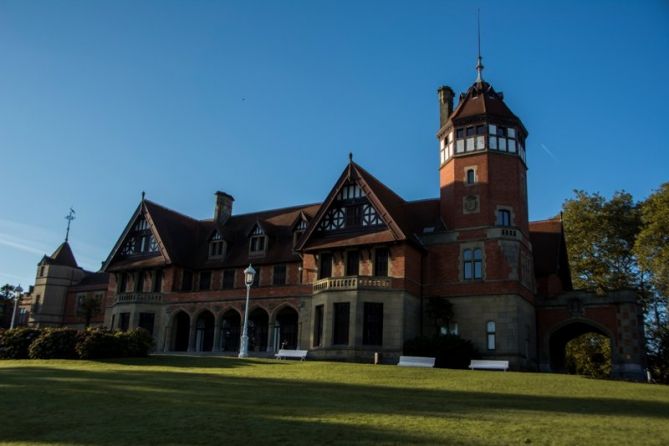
(479, 63)
(69, 217)
(350, 157)
(143, 195)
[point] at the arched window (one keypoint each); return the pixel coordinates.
(491, 331)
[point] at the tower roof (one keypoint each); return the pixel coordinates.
(480, 100)
(63, 256)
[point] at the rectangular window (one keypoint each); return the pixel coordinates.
(480, 143)
(470, 131)
(460, 133)
(381, 262)
(372, 326)
(228, 279)
(279, 275)
(460, 146)
(124, 321)
(205, 280)
(512, 133)
(503, 217)
(146, 321)
(256, 278)
(492, 142)
(318, 325)
(353, 216)
(512, 145)
(139, 282)
(340, 323)
(471, 144)
(491, 331)
(352, 263)
(480, 130)
(187, 280)
(122, 282)
(325, 266)
(472, 264)
(157, 281)
(492, 129)
(502, 144)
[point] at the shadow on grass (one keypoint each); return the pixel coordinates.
(183, 361)
(164, 407)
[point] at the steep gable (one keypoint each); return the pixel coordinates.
(358, 210)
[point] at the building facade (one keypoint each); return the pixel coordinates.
(351, 276)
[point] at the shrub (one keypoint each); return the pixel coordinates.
(136, 343)
(450, 351)
(14, 343)
(98, 344)
(54, 343)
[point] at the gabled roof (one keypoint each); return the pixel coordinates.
(62, 256)
(393, 210)
(550, 250)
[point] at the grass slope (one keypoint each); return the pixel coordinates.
(194, 400)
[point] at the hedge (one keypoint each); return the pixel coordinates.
(450, 351)
(64, 343)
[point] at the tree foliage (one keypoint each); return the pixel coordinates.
(600, 237)
(7, 291)
(652, 243)
(88, 307)
(590, 355)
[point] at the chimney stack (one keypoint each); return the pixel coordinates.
(223, 208)
(445, 104)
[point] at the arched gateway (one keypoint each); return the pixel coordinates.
(567, 316)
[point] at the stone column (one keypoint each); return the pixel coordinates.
(217, 335)
(191, 338)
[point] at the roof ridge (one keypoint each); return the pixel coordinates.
(246, 214)
(381, 183)
(555, 219)
(172, 210)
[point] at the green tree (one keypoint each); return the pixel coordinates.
(652, 251)
(600, 237)
(7, 291)
(441, 312)
(590, 355)
(89, 306)
(652, 243)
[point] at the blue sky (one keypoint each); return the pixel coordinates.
(264, 100)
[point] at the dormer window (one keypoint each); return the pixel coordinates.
(258, 242)
(216, 246)
(299, 230)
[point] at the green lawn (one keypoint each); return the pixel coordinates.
(199, 400)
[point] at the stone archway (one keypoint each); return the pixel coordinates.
(204, 332)
(258, 330)
(180, 331)
(230, 331)
(559, 338)
(287, 327)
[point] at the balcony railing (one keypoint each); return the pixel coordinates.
(136, 298)
(351, 283)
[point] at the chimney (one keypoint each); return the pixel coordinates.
(445, 104)
(223, 208)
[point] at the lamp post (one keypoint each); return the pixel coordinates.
(17, 297)
(249, 276)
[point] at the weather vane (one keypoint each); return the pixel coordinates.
(69, 219)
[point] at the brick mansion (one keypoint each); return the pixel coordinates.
(351, 276)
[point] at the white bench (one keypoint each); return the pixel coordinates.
(416, 361)
(284, 353)
(488, 364)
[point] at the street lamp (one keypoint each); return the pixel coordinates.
(249, 276)
(17, 297)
